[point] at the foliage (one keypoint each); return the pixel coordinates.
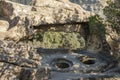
(63, 40)
(51, 39)
(96, 26)
(73, 40)
(112, 13)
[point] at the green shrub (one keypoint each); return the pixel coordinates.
(112, 13)
(96, 26)
(63, 40)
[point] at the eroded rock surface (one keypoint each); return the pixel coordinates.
(23, 18)
(22, 61)
(14, 58)
(95, 6)
(18, 54)
(26, 62)
(112, 37)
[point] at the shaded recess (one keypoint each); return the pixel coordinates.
(26, 2)
(61, 63)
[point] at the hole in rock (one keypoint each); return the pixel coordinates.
(61, 63)
(89, 61)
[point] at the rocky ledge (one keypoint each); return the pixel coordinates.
(19, 20)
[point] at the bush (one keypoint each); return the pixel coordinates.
(63, 40)
(96, 26)
(112, 13)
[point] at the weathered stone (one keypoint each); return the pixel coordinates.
(19, 54)
(114, 43)
(94, 44)
(95, 6)
(4, 25)
(9, 72)
(18, 61)
(23, 18)
(21, 61)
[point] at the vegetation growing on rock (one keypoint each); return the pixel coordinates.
(60, 40)
(96, 26)
(112, 13)
(108, 28)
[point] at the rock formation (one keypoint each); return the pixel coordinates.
(23, 18)
(95, 6)
(24, 61)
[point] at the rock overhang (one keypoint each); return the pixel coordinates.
(23, 19)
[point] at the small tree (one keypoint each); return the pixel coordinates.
(112, 13)
(96, 26)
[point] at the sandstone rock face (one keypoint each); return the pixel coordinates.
(15, 59)
(18, 54)
(58, 15)
(95, 6)
(4, 25)
(22, 18)
(22, 61)
(113, 40)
